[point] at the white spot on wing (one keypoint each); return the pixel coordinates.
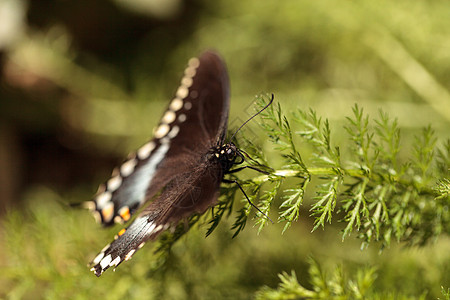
(194, 62)
(176, 104)
(182, 92)
(194, 94)
(141, 245)
(98, 258)
(168, 117)
(115, 262)
(145, 150)
(151, 228)
(187, 81)
(102, 199)
(187, 105)
(173, 133)
(128, 167)
(114, 183)
(105, 262)
(162, 130)
(181, 118)
(130, 254)
(190, 72)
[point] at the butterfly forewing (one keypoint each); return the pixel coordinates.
(177, 161)
(195, 117)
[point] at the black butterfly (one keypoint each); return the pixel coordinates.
(187, 159)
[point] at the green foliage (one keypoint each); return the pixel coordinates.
(442, 188)
(335, 287)
(445, 293)
(224, 207)
(380, 196)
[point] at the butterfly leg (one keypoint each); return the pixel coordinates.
(250, 167)
(243, 192)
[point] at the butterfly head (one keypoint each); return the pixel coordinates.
(227, 155)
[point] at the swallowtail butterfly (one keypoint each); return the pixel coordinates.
(185, 163)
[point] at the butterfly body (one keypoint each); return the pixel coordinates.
(178, 173)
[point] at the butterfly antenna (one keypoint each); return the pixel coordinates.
(270, 102)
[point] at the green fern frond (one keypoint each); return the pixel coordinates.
(381, 197)
(443, 158)
(224, 207)
(265, 201)
(388, 144)
(442, 189)
(324, 286)
(326, 200)
(241, 220)
(445, 293)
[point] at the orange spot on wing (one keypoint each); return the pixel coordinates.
(121, 232)
(108, 212)
(125, 214)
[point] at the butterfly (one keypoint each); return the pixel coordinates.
(178, 173)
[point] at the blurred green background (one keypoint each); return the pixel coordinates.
(82, 83)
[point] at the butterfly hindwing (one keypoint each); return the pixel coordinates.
(186, 194)
(196, 116)
(177, 160)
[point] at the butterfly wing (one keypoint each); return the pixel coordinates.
(195, 121)
(196, 116)
(188, 193)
